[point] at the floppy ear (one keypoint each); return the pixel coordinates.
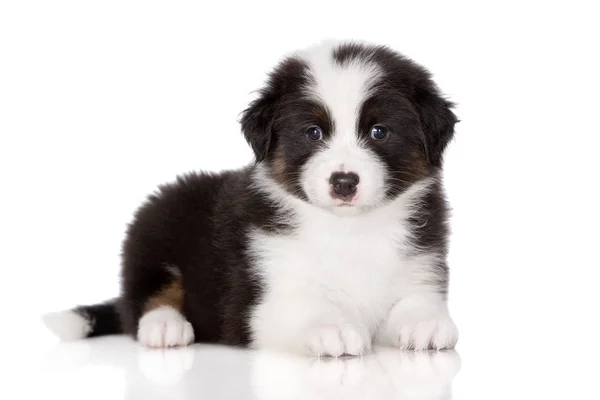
(437, 122)
(257, 124)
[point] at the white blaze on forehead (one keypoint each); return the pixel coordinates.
(341, 88)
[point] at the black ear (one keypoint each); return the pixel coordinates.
(437, 122)
(257, 124)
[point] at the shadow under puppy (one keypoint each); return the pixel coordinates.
(334, 239)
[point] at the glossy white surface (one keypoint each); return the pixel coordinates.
(112, 367)
(118, 368)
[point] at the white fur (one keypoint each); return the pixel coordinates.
(67, 325)
(342, 89)
(338, 278)
(164, 327)
(418, 322)
(336, 340)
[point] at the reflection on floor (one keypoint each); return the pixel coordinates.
(216, 372)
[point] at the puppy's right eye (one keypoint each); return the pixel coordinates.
(378, 132)
(314, 133)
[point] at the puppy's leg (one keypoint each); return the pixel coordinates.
(162, 323)
(420, 319)
(419, 322)
(309, 325)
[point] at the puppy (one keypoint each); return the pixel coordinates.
(333, 240)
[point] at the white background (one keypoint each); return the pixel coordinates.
(102, 101)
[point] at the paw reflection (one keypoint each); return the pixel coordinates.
(165, 366)
(387, 373)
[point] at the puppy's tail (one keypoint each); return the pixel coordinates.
(85, 321)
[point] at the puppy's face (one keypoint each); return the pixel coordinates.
(348, 127)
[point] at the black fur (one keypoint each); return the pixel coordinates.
(283, 86)
(197, 225)
(103, 318)
(410, 88)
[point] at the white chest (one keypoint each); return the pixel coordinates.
(355, 263)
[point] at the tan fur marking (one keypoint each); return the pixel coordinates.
(371, 112)
(170, 295)
(319, 114)
(278, 161)
(419, 164)
(279, 169)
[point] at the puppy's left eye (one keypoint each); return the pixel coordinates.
(378, 132)
(315, 133)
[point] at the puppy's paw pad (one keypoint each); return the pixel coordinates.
(335, 341)
(164, 327)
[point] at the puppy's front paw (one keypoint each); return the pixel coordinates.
(338, 340)
(164, 327)
(429, 333)
(417, 326)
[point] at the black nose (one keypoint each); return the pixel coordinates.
(344, 184)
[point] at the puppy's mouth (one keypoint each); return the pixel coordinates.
(345, 205)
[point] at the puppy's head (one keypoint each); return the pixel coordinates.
(348, 127)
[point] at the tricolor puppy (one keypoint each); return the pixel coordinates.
(333, 240)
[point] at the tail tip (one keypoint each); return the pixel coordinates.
(67, 325)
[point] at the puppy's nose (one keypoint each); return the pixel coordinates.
(344, 184)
